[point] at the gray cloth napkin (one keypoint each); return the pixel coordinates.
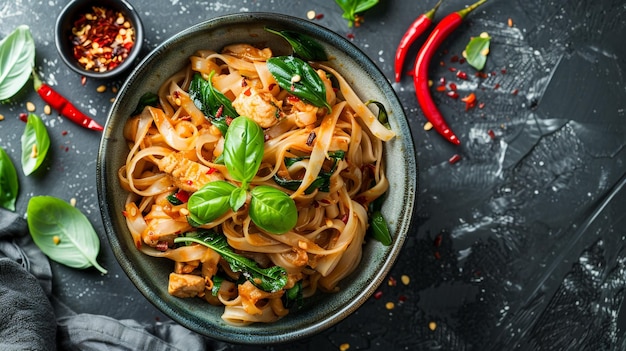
(31, 318)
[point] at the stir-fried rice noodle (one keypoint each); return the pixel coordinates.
(174, 147)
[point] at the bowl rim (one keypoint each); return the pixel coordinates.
(64, 49)
(373, 282)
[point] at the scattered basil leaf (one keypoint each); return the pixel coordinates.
(383, 117)
(379, 229)
(270, 279)
(63, 233)
(303, 45)
(351, 8)
(35, 144)
(215, 105)
(17, 60)
(272, 210)
(209, 202)
(9, 184)
(147, 99)
(477, 50)
(243, 149)
(299, 78)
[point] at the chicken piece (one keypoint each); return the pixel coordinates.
(185, 285)
(186, 174)
(259, 105)
(248, 52)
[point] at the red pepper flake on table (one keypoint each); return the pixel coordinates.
(102, 39)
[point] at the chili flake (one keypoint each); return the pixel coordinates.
(102, 39)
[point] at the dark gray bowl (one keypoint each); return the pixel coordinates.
(150, 275)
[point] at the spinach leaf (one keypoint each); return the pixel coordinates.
(322, 182)
(383, 118)
(303, 45)
(210, 202)
(243, 149)
(8, 182)
(147, 99)
(63, 233)
(215, 105)
(293, 297)
(35, 144)
(299, 78)
(217, 283)
(379, 229)
(270, 279)
(477, 50)
(351, 8)
(272, 210)
(17, 59)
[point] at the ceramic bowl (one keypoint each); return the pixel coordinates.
(63, 34)
(150, 275)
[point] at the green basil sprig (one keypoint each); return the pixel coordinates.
(215, 105)
(210, 202)
(303, 45)
(271, 210)
(63, 233)
(243, 149)
(299, 78)
(9, 184)
(351, 8)
(17, 59)
(35, 144)
(270, 279)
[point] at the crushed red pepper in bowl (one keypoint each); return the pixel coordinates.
(99, 40)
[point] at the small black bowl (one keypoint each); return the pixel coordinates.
(63, 33)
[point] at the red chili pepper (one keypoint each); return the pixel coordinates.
(64, 106)
(420, 77)
(417, 28)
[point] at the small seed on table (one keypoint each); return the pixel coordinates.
(30, 107)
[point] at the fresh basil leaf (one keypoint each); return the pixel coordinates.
(272, 210)
(303, 45)
(17, 59)
(171, 198)
(477, 50)
(147, 99)
(351, 8)
(243, 149)
(9, 184)
(63, 233)
(210, 202)
(238, 198)
(379, 229)
(270, 279)
(35, 144)
(215, 105)
(383, 117)
(299, 78)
